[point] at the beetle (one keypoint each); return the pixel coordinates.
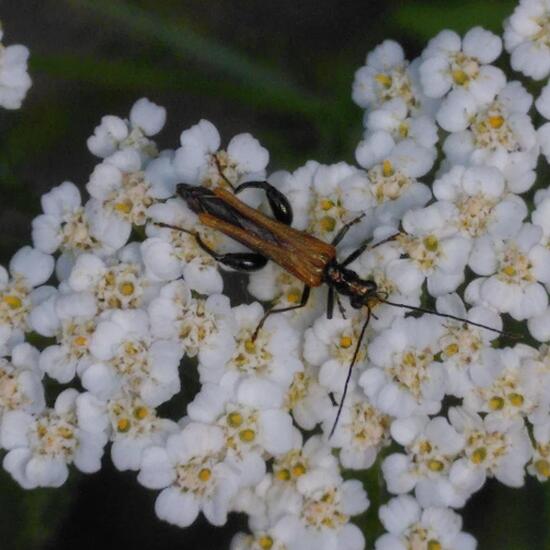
(309, 259)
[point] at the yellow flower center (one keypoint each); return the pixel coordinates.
(435, 465)
(543, 467)
(65, 433)
(387, 169)
(123, 425)
(247, 435)
(126, 289)
(298, 470)
(451, 349)
(327, 223)
(509, 270)
(345, 342)
(431, 243)
(479, 455)
(516, 399)
(123, 207)
(265, 542)
(283, 475)
(205, 474)
(80, 341)
(250, 346)
(293, 296)
(425, 447)
(13, 301)
(384, 80)
(326, 204)
(460, 77)
(434, 545)
(496, 403)
(496, 121)
(234, 419)
(140, 412)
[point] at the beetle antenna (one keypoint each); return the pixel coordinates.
(449, 316)
(222, 173)
(348, 377)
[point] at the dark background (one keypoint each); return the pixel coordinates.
(281, 70)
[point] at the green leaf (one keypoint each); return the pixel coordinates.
(271, 85)
(29, 518)
(425, 19)
(141, 77)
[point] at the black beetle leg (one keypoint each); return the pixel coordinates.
(344, 229)
(303, 301)
(282, 211)
(241, 261)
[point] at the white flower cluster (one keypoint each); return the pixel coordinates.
(448, 150)
(14, 78)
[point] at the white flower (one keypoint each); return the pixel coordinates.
(286, 534)
(271, 358)
(361, 432)
(411, 527)
(392, 185)
(504, 386)
(540, 463)
(14, 78)
(200, 326)
(120, 185)
(330, 344)
(134, 427)
(499, 134)
(114, 133)
(194, 475)
(326, 208)
(41, 446)
(386, 76)
(306, 399)
(404, 378)
(451, 63)
(70, 318)
(392, 123)
(65, 224)
(526, 38)
(328, 503)
(431, 447)
(28, 268)
(483, 205)
(513, 271)
(169, 253)
(252, 421)
(434, 248)
(113, 284)
(276, 285)
(464, 347)
(494, 447)
(200, 161)
(396, 278)
(20, 381)
(128, 359)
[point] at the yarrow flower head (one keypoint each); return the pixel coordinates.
(430, 366)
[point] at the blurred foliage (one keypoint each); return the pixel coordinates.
(282, 70)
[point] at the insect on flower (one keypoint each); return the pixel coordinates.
(312, 261)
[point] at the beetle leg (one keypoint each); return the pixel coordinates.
(356, 253)
(282, 211)
(345, 228)
(340, 306)
(303, 301)
(241, 261)
(330, 302)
